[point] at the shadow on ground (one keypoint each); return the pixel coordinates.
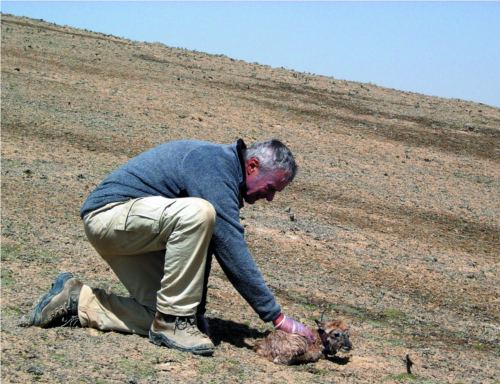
(233, 333)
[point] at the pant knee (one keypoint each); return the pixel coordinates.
(203, 211)
(208, 212)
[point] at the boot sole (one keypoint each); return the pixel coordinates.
(161, 340)
(57, 287)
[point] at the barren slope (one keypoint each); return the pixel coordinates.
(396, 210)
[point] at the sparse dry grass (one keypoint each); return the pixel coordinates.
(396, 216)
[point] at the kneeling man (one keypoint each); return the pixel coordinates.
(157, 220)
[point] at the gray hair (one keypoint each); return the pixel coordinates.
(273, 155)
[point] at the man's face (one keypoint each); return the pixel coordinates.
(262, 185)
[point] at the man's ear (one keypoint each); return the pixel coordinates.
(252, 165)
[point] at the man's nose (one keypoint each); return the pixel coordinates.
(270, 196)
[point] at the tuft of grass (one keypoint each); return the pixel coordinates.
(208, 366)
(178, 355)
(238, 371)
(402, 377)
(480, 347)
(311, 368)
(394, 314)
(119, 289)
(15, 252)
(10, 252)
(7, 279)
(12, 311)
(136, 368)
(375, 323)
(407, 378)
(395, 342)
(59, 357)
(310, 306)
(350, 310)
(47, 257)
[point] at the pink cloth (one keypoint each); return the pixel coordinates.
(287, 324)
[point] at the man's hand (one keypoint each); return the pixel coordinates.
(287, 324)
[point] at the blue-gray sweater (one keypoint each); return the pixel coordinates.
(213, 172)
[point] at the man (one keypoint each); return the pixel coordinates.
(156, 221)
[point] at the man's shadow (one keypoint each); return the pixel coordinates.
(340, 360)
(233, 333)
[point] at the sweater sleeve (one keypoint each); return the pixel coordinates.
(216, 180)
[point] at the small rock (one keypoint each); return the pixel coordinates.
(37, 371)
(292, 217)
(470, 127)
(93, 332)
(24, 321)
(288, 209)
(165, 366)
(17, 69)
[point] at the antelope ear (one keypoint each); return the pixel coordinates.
(320, 324)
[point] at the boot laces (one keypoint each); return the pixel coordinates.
(59, 313)
(66, 314)
(188, 324)
(72, 322)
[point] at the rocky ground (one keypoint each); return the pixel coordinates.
(392, 223)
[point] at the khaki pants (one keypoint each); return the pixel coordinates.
(158, 248)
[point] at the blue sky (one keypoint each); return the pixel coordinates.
(447, 49)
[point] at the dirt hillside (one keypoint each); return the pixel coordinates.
(392, 223)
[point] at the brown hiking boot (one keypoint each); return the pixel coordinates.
(180, 332)
(59, 306)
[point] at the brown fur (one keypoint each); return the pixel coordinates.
(285, 348)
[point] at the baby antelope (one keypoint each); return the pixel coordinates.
(289, 349)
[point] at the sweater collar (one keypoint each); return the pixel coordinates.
(240, 148)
